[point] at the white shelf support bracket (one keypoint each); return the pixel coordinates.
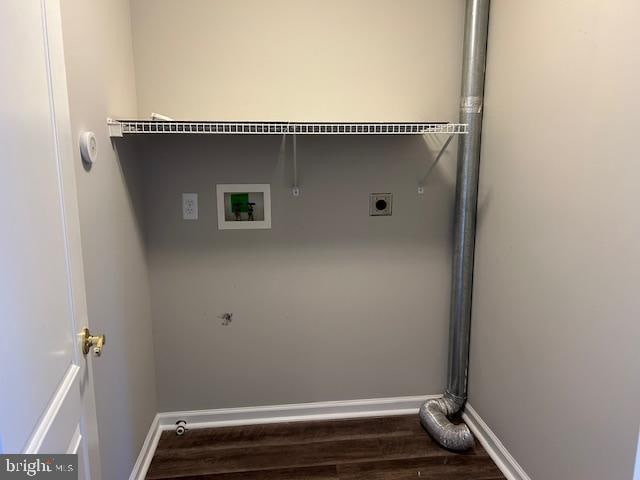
(295, 189)
(115, 128)
(433, 165)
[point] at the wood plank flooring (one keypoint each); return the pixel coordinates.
(382, 448)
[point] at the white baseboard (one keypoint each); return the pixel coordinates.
(494, 447)
(374, 407)
(147, 451)
(225, 417)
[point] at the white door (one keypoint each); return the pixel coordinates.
(46, 390)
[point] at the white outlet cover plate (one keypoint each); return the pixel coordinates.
(189, 206)
(380, 204)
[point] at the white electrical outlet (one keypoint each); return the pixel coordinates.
(189, 206)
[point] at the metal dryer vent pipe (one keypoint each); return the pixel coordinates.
(434, 413)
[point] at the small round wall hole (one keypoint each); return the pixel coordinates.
(381, 204)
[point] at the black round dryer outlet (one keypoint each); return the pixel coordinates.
(381, 204)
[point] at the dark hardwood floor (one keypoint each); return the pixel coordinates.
(384, 448)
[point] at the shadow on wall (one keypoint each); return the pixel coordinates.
(325, 279)
(336, 176)
(132, 171)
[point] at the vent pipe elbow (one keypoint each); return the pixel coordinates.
(434, 417)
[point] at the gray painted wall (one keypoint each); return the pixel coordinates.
(554, 361)
(99, 61)
(329, 304)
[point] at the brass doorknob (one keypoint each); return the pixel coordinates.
(95, 341)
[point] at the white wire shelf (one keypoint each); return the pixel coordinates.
(119, 128)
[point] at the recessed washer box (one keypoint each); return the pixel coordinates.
(380, 204)
(244, 206)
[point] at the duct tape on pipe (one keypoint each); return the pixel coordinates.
(471, 104)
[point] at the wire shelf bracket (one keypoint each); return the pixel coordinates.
(295, 189)
(433, 164)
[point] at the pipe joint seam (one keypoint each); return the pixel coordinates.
(471, 104)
